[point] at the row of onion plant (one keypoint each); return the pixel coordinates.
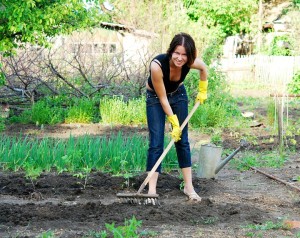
(116, 154)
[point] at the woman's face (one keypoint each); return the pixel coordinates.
(179, 57)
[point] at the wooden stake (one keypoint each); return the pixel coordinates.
(280, 123)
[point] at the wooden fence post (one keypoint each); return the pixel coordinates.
(280, 122)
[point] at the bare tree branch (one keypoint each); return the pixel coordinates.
(54, 71)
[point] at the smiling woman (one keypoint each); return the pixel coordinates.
(166, 96)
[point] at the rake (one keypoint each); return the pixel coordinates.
(144, 199)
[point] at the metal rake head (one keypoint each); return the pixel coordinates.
(139, 199)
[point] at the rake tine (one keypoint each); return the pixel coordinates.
(138, 198)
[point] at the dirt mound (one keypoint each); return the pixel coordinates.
(61, 203)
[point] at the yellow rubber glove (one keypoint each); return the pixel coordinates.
(202, 95)
(176, 131)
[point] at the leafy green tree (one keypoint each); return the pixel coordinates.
(297, 3)
(2, 77)
(232, 16)
(35, 21)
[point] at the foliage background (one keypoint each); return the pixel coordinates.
(56, 98)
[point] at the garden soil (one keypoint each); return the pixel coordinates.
(232, 201)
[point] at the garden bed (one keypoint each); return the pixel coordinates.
(235, 204)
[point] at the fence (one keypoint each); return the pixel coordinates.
(271, 71)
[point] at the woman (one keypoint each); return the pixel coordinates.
(166, 96)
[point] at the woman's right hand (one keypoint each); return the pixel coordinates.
(176, 131)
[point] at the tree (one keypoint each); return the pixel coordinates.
(232, 16)
(35, 21)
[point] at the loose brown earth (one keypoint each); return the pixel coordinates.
(231, 201)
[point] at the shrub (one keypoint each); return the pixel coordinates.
(281, 45)
(294, 85)
(219, 108)
(212, 52)
(116, 111)
(82, 111)
(40, 113)
(209, 115)
(24, 117)
(43, 113)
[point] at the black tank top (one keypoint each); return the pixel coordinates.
(165, 67)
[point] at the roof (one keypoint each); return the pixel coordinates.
(119, 27)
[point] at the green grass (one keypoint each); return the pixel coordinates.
(268, 225)
(260, 230)
(47, 234)
(264, 159)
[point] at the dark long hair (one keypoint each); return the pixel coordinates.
(187, 42)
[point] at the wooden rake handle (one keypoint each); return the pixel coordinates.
(150, 174)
